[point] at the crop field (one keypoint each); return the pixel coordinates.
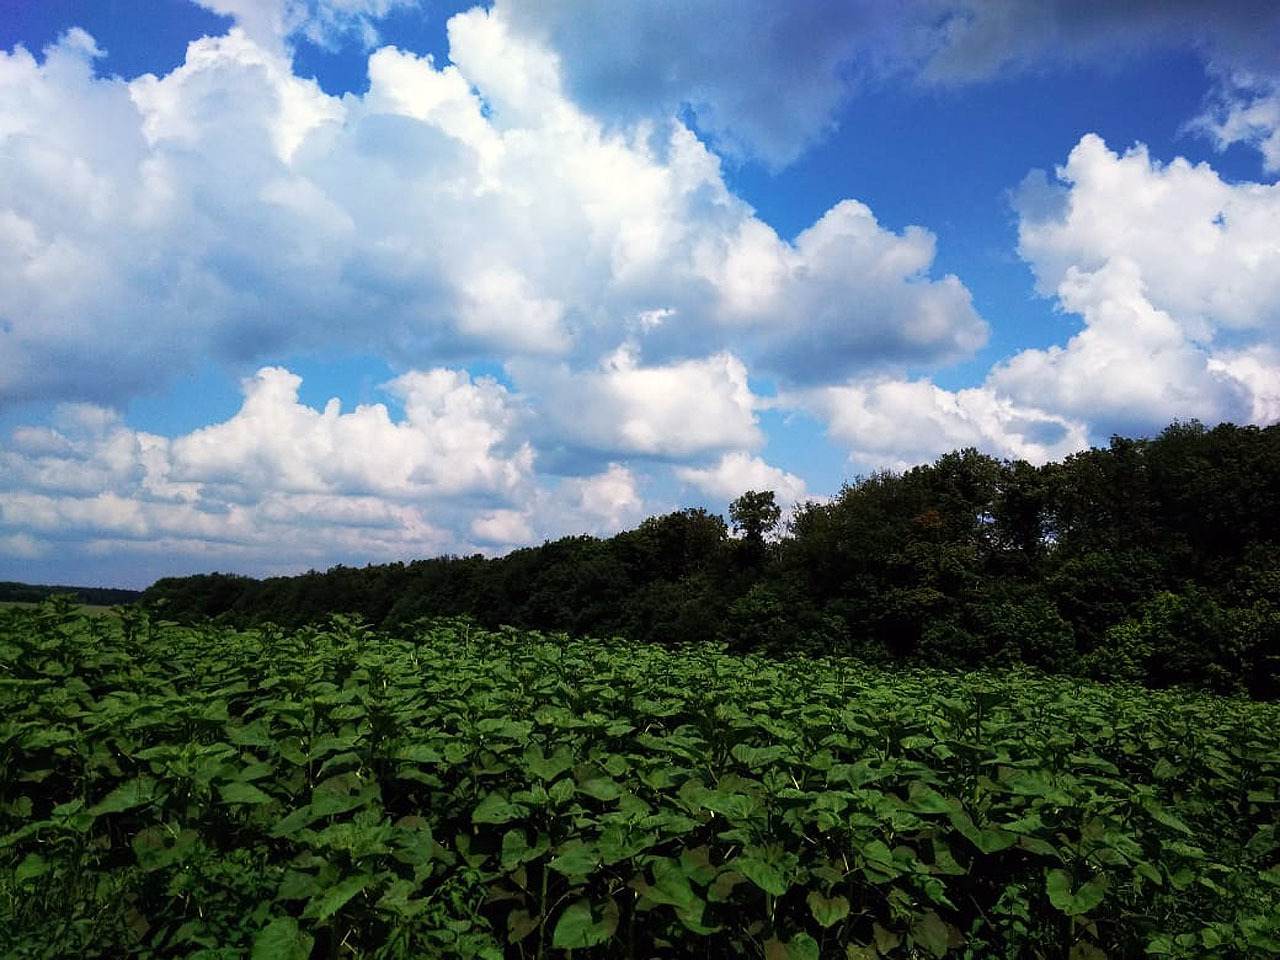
(178, 791)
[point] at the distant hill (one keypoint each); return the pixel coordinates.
(13, 592)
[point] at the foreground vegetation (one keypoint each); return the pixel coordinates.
(1156, 561)
(331, 792)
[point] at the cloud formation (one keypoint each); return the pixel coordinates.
(548, 204)
(767, 80)
(232, 209)
(1173, 271)
(280, 483)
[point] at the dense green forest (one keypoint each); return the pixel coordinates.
(11, 592)
(1154, 560)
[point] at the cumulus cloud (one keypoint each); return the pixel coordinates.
(737, 472)
(231, 209)
(1132, 368)
(1175, 274)
(673, 411)
(280, 485)
(901, 423)
(455, 438)
(1205, 248)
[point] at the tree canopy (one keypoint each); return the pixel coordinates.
(1155, 560)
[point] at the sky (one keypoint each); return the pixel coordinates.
(292, 283)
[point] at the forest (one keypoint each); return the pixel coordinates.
(1151, 560)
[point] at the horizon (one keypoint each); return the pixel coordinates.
(286, 284)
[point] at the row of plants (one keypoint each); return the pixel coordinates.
(331, 792)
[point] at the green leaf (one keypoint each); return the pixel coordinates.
(922, 798)
(828, 911)
(560, 791)
(282, 940)
(1161, 815)
(762, 873)
(236, 792)
(256, 734)
(757, 757)
(931, 932)
(733, 806)
(577, 859)
(602, 788)
(417, 753)
(33, 865)
(577, 927)
(495, 808)
(519, 925)
(295, 821)
(544, 767)
(134, 793)
(800, 947)
(329, 903)
(670, 886)
(334, 796)
(501, 727)
(1088, 896)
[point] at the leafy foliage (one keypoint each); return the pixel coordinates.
(1154, 560)
(332, 791)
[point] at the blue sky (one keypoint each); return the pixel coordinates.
(289, 283)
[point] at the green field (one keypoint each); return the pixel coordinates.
(180, 791)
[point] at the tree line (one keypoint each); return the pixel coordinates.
(1151, 560)
(14, 592)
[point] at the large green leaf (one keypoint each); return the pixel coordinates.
(336, 897)
(127, 796)
(578, 927)
(763, 874)
(828, 911)
(281, 939)
(33, 865)
(495, 808)
(576, 859)
(931, 933)
(1081, 900)
(757, 757)
(236, 792)
(544, 767)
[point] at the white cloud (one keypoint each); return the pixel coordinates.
(1176, 275)
(1257, 370)
(736, 473)
(1132, 368)
(684, 409)
(453, 439)
(858, 295)
(1247, 111)
(280, 486)
(901, 423)
(231, 209)
(1205, 248)
(323, 22)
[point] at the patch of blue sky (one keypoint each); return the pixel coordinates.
(341, 67)
(137, 36)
